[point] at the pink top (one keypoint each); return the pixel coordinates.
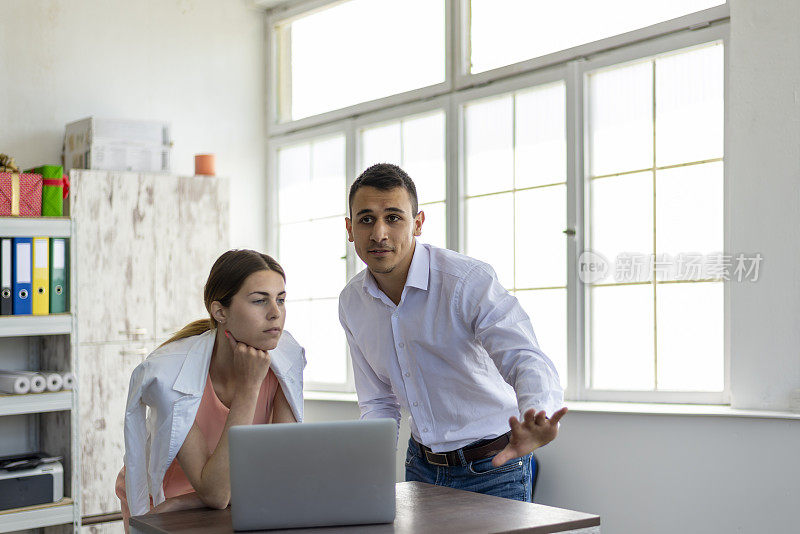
(210, 418)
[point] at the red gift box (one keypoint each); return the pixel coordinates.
(20, 194)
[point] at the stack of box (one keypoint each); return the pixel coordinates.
(117, 145)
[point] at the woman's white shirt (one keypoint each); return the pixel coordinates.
(170, 383)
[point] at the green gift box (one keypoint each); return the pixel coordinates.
(55, 187)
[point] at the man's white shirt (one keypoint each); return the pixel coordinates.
(458, 352)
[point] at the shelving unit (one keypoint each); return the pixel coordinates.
(42, 421)
(37, 516)
(35, 325)
(35, 226)
(35, 403)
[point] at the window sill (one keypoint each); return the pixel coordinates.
(707, 410)
(636, 408)
(336, 396)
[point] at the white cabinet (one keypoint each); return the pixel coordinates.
(145, 245)
(192, 235)
(115, 225)
(103, 384)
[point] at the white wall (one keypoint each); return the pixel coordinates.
(199, 64)
(763, 161)
(663, 474)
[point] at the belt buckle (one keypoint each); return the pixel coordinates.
(433, 458)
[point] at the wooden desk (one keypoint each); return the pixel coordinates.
(421, 508)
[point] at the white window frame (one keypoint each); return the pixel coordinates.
(578, 308)
(464, 78)
(273, 225)
(278, 56)
(441, 103)
(460, 88)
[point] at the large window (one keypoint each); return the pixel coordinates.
(417, 145)
(655, 160)
(509, 31)
(614, 160)
(515, 201)
(362, 49)
(311, 249)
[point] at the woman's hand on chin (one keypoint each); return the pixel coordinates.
(250, 364)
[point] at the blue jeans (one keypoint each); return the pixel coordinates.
(512, 480)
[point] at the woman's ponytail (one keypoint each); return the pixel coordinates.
(194, 328)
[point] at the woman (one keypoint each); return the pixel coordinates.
(237, 367)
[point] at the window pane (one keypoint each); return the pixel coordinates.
(508, 31)
(547, 309)
(622, 216)
(380, 144)
(489, 235)
(423, 155)
(298, 323)
(541, 246)
(690, 337)
(327, 191)
(293, 259)
(311, 178)
(622, 337)
(689, 203)
(689, 106)
(294, 182)
(315, 324)
(621, 119)
(416, 144)
(320, 273)
(434, 227)
(687, 101)
(351, 51)
(541, 140)
(489, 135)
(326, 238)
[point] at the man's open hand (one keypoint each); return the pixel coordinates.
(535, 431)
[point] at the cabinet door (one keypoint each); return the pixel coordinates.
(114, 254)
(104, 373)
(192, 232)
(104, 528)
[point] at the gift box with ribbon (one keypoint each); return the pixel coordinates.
(55, 188)
(20, 194)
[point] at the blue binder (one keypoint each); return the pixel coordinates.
(23, 275)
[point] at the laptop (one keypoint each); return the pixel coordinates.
(312, 474)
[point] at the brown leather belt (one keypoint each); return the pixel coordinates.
(471, 452)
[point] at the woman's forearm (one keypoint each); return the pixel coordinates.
(215, 480)
(181, 502)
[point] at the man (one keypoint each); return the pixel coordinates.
(434, 331)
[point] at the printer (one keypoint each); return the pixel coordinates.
(30, 479)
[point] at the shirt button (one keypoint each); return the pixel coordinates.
(416, 404)
(401, 345)
(424, 429)
(407, 373)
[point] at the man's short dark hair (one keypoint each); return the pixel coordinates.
(385, 176)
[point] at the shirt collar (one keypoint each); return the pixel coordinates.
(418, 272)
(192, 377)
(420, 268)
